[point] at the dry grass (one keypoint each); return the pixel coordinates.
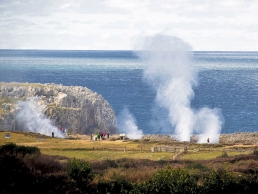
(130, 175)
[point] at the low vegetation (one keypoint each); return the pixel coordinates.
(20, 165)
(32, 161)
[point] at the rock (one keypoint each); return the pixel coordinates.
(74, 108)
(159, 138)
(239, 138)
(235, 138)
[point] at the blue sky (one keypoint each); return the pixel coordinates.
(207, 25)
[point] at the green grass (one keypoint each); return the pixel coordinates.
(101, 150)
(107, 154)
(207, 155)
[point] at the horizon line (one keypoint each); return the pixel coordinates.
(13, 49)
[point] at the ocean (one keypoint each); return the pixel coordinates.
(226, 80)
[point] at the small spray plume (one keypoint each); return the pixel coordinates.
(208, 124)
(170, 71)
(31, 117)
(127, 124)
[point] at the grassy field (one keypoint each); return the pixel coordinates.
(81, 147)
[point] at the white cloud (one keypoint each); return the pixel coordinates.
(113, 24)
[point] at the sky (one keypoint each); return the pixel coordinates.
(207, 25)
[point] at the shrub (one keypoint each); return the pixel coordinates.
(14, 173)
(13, 149)
(79, 172)
(24, 150)
(8, 148)
(44, 164)
(169, 181)
(224, 154)
(114, 187)
(109, 164)
(255, 152)
(197, 165)
(221, 181)
(126, 163)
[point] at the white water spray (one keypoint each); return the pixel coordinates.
(169, 70)
(31, 117)
(127, 125)
(208, 124)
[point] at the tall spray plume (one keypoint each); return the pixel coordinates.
(169, 70)
(127, 124)
(30, 117)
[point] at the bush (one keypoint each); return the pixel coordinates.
(79, 172)
(197, 165)
(221, 181)
(224, 154)
(23, 150)
(169, 181)
(14, 173)
(114, 187)
(126, 163)
(13, 149)
(8, 148)
(255, 152)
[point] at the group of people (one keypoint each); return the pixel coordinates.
(62, 130)
(99, 136)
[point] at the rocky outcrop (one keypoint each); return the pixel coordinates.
(234, 138)
(159, 138)
(74, 108)
(239, 138)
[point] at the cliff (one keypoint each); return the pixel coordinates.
(74, 108)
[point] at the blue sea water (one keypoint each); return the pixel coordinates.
(226, 80)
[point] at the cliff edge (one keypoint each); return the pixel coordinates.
(75, 108)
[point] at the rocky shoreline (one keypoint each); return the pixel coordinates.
(235, 138)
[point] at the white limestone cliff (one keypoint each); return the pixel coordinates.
(74, 108)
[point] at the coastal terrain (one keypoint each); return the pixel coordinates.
(115, 163)
(74, 108)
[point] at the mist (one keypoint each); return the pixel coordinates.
(30, 117)
(208, 124)
(127, 124)
(168, 68)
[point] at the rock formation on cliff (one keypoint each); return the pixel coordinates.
(74, 108)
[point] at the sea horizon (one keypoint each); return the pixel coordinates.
(226, 80)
